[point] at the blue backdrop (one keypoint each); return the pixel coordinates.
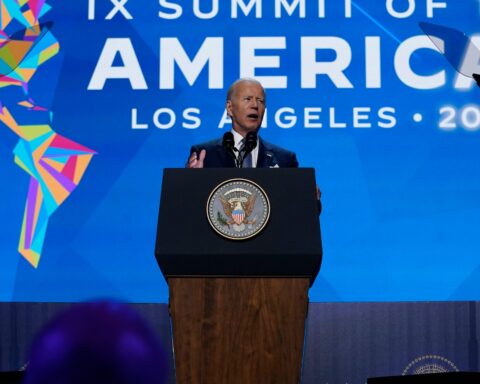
(356, 89)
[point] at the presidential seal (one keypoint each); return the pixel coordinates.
(238, 209)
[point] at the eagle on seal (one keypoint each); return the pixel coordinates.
(238, 211)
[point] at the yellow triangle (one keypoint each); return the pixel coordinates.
(26, 74)
(58, 166)
(14, 52)
(81, 166)
(5, 16)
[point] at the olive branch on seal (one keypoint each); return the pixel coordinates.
(221, 219)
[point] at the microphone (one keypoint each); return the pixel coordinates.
(476, 76)
(229, 144)
(250, 142)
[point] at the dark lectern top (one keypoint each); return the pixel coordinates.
(289, 245)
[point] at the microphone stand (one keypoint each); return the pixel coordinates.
(239, 159)
(239, 155)
(229, 145)
(249, 146)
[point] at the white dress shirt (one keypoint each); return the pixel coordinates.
(238, 144)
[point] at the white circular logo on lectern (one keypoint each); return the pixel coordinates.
(238, 209)
(429, 364)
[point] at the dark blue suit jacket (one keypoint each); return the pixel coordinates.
(269, 155)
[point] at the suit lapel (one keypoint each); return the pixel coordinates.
(265, 155)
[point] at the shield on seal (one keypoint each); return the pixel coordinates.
(238, 215)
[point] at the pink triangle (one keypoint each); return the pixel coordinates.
(36, 7)
(69, 168)
(64, 143)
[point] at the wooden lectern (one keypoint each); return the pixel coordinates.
(238, 307)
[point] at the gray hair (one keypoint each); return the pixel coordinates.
(231, 89)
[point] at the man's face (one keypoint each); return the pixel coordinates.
(246, 107)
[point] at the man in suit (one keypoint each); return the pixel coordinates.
(246, 107)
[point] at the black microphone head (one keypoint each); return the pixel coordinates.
(476, 76)
(228, 141)
(250, 141)
(229, 147)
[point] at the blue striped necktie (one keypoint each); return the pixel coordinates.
(247, 161)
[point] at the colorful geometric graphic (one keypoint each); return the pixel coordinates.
(24, 51)
(55, 164)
